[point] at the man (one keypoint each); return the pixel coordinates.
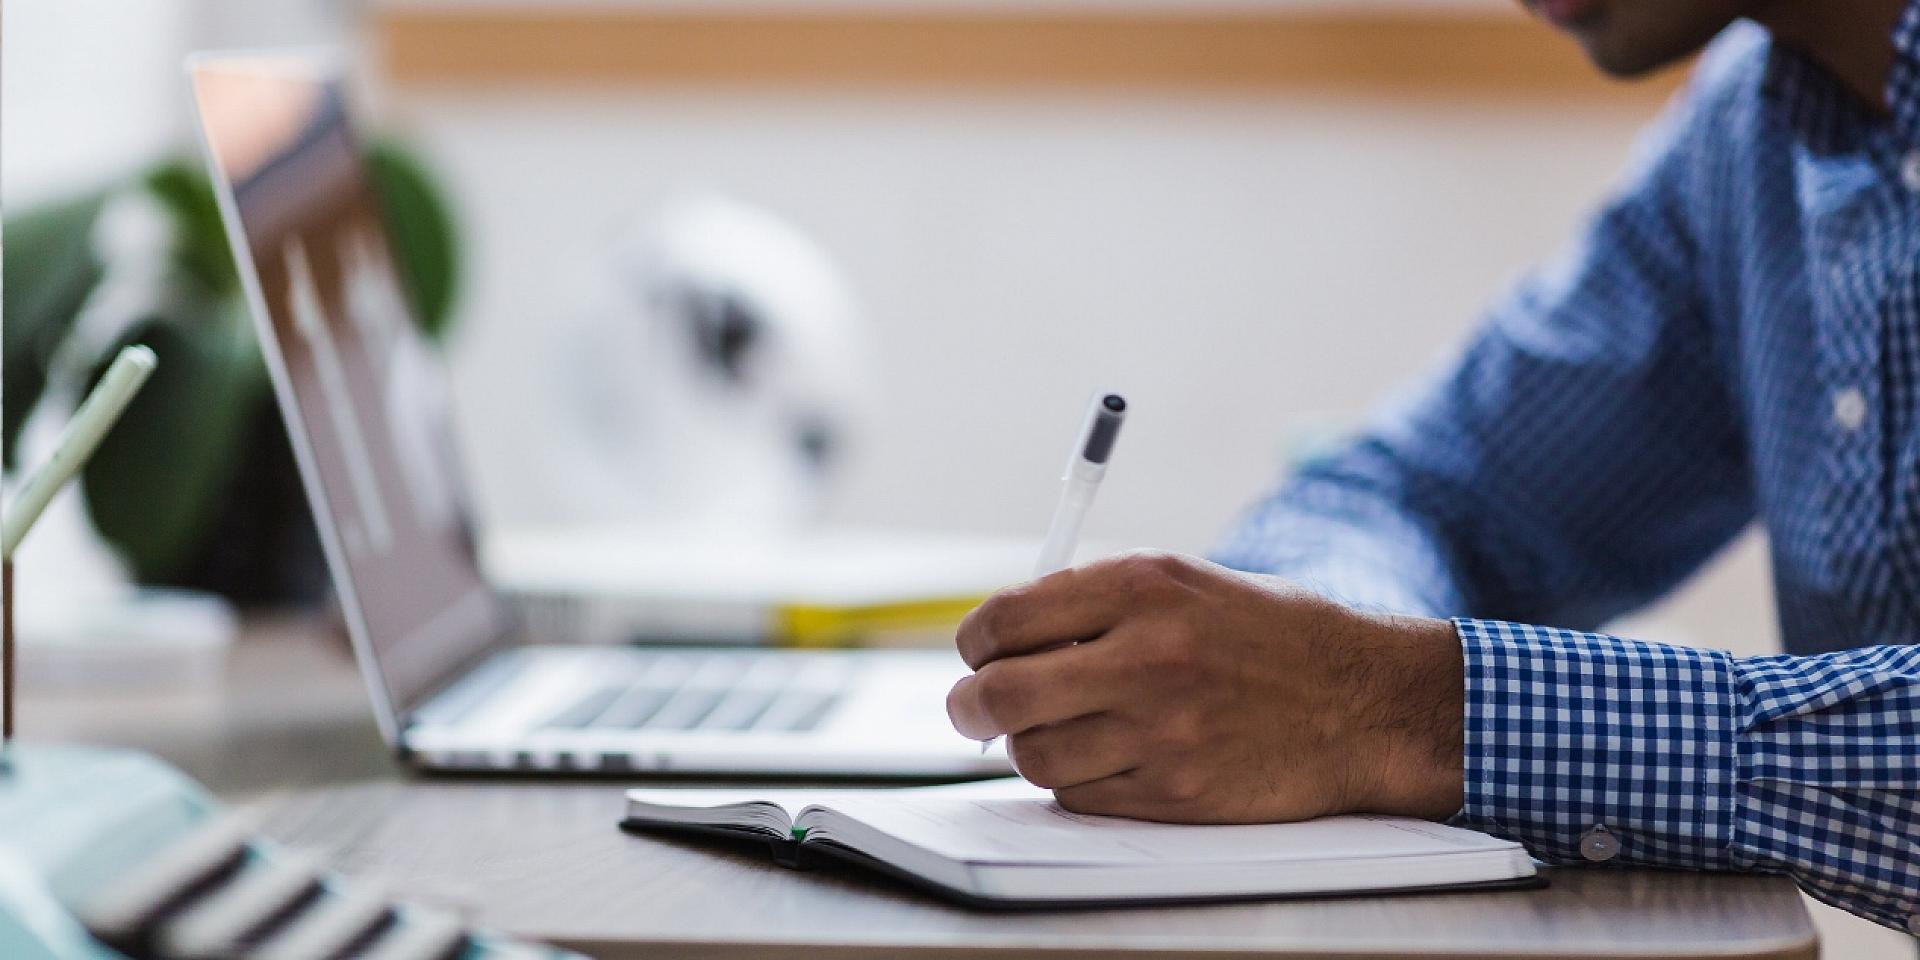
(1736, 336)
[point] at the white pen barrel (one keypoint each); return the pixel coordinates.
(1085, 469)
(1063, 534)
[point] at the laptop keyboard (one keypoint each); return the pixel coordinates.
(722, 692)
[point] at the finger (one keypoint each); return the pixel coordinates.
(1056, 609)
(1125, 794)
(1072, 605)
(1019, 693)
(1075, 751)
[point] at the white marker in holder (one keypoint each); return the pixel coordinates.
(90, 424)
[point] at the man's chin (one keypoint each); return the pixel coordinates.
(1632, 61)
(1629, 40)
(1628, 65)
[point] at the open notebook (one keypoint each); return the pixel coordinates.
(1006, 843)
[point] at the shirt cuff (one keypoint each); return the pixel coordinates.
(1590, 748)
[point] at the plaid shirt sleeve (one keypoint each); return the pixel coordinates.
(1499, 489)
(1590, 748)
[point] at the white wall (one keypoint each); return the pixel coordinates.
(93, 89)
(1231, 265)
(81, 103)
(1240, 268)
(1237, 266)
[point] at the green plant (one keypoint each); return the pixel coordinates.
(200, 447)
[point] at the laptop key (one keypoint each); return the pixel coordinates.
(770, 671)
(721, 670)
(816, 713)
(584, 711)
(740, 709)
(635, 707)
(797, 711)
(667, 669)
(686, 709)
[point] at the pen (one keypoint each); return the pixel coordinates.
(1086, 467)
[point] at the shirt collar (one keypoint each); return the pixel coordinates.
(1827, 115)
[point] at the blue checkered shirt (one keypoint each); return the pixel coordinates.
(1735, 337)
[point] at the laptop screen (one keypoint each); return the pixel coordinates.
(363, 393)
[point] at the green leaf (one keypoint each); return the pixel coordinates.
(421, 234)
(48, 272)
(158, 480)
(202, 252)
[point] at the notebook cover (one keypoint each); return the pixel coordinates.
(801, 855)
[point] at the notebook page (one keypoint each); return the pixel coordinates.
(1039, 831)
(697, 799)
(693, 799)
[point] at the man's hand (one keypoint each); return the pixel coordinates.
(1167, 688)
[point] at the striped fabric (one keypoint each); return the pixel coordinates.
(1735, 338)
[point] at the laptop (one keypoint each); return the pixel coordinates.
(456, 683)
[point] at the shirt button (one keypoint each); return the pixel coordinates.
(1910, 171)
(1849, 409)
(1599, 844)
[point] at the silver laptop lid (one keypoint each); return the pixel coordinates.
(363, 395)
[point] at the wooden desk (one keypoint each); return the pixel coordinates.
(290, 737)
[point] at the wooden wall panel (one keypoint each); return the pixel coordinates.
(1439, 53)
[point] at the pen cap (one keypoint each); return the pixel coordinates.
(1103, 428)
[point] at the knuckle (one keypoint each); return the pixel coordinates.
(1034, 759)
(1074, 799)
(965, 636)
(1183, 784)
(1155, 578)
(1089, 800)
(980, 630)
(1003, 697)
(1145, 569)
(1168, 566)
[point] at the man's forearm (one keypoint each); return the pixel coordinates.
(1410, 696)
(1347, 541)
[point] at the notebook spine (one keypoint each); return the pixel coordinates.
(790, 854)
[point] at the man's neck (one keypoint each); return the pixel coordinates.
(1853, 39)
